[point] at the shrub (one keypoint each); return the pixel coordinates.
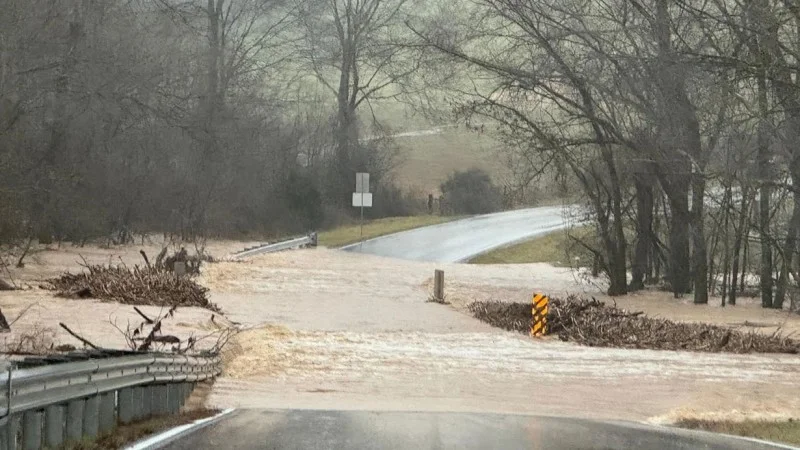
(470, 192)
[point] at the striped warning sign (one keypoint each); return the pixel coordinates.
(540, 307)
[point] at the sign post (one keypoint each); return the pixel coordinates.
(362, 198)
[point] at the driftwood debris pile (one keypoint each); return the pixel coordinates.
(138, 286)
(596, 324)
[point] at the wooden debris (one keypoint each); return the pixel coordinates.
(137, 286)
(5, 286)
(78, 337)
(4, 326)
(593, 323)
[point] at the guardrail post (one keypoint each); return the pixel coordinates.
(108, 411)
(161, 399)
(138, 402)
(125, 405)
(147, 401)
(13, 428)
(91, 413)
(173, 393)
(187, 391)
(75, 419)
(32, 430)
(54, 426)
(4, 435)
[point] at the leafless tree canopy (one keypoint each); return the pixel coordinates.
(187, 117)
(678, 120)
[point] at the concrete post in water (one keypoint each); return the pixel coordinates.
(75, 419)
(32, 430)
(91, 416)
(438, 285)
(108, 412)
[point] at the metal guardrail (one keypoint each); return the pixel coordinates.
(310, 240)
(44, 407)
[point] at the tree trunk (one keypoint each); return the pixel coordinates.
(699, 253)
(644, 234)
(765, 194)
(679, 264)
(789, 250)
(346, 126)
(617, 256)
(723, 234)
(766, 248)
(741, 233)
(745, 260)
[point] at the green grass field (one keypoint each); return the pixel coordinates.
(349, 234)
(787, 432)
(554, 248)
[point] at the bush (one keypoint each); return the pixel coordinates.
(392, 201)
(470, 192)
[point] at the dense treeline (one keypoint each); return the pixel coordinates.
(679, 120)
(188, 117)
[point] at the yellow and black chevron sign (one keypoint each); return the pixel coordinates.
(541, 306)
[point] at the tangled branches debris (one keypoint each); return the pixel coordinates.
(593, 323)
(137, 286)
(149, 335)
(191, 262)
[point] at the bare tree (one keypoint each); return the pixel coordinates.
(355, 50)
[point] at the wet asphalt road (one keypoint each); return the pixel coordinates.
(463, 239)
(315, 430)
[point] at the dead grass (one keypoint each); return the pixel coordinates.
(427, 161)
(350, 234)
(555, 248)
(127, 434)
(787, 432)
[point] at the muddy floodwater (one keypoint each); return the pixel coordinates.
(330, 329)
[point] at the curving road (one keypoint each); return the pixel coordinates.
(463, 239)
(317, 430)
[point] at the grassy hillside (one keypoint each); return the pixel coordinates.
(426, 161)
(555, 248)
(349, 234)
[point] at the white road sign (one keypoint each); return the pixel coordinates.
(362, 199)
(362, 182)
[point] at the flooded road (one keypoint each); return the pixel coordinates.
(337, 330)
